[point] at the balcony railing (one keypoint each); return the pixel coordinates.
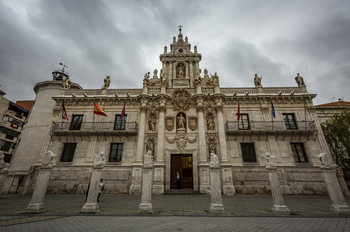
(94, 126)
(270, 126)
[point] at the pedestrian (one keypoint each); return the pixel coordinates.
(101, 188)
(178, 180)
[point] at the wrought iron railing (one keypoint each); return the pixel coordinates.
(94, 126)
(270, 125)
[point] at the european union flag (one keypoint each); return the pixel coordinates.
(273, 110)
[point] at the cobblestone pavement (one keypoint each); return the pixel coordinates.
(171, 213)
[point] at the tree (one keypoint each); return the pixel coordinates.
(337, 133)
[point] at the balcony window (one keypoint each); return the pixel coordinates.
(6, 118)
(289, 121)
(299, 152)
(243, 123)
(115, 154)
(248, 152)
(68, 152)
(76, 122)
(120, 123)
(5, 145)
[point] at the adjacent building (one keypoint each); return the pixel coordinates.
(181, 115)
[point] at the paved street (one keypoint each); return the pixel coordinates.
(171, 213)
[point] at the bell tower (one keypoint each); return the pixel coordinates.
(180, 64)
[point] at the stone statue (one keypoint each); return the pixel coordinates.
(195, 49)
(270, 160)
(339, 171)
(148, 158)
(212, 147)
(198, 80)
(186, 39)
(162, 78)
(152, 124)
(155, 73)
(146, 79)
(257, 80)
(214, 160)
(165, 50)
(3, 165)
(67, 83)
(48, 159)
(180, 71)
(299, 80)
(151, 146)
(215, 79)
(106, 83)
(99, 161)
(174, 39)
(210, 124)
(181, 122)
(324, 159)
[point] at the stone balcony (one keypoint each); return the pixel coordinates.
(94, 128)
(277, 128)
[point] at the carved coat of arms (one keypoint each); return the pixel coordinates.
(192, 122)
(169, 123)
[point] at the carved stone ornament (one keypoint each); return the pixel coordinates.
(152, 123)
(48, 159)
(181, 100)
(211, 80)
(339, 171)
(265, 110)
(270, 161)
(210, 123)
(67, 83)
(154, 80)
(148, 160)
(211, 136)
(192, 122)
(169, 123)
(99, 161)
(181, 140)
(324, 159)
(311, 109)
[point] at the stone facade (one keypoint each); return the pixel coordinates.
(180, 116)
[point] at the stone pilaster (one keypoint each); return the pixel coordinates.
(158, 187)
(135, 187)
(37, 205)
(342, 183)
(191, 74)
(216, 205)
(91, 205)
(170, 77)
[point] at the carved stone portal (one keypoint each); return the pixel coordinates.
(169, 123)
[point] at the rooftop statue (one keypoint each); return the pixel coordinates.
(299, 80)
(67, 83)
(107, 82)
(146, 79)
(257, 80)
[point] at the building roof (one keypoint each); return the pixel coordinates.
(338, 103)
(25, 104)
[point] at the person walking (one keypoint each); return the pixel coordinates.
(178, 180)
(101, 188)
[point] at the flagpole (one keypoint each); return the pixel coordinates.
(271, 114)
(93, 118)
(62, 114)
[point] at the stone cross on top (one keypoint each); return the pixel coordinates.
(180, 28)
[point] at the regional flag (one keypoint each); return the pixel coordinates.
(98, 110)
(123, 112)
(239, 113)
(273, 110)
(64, 112)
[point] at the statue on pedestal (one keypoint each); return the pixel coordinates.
(214, 160)
(107, 82)
(148, 158)
(299, 80)
(257, 80)
(152, 124)
(146, 79)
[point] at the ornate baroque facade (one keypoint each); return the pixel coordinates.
(181, 116)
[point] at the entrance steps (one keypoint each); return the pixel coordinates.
(181, 192)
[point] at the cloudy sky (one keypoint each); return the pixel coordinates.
(123, 39)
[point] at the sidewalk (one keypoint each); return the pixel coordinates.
(197, 205)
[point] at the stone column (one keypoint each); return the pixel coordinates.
(37, 205)
(342, 183)
(339, 205)
(146, 196)
(278, 201)
(135, 187)
(91, 205)
(170, 77)
(186, 71)
(216, 200)
(191, 74)
(203, 163)
(158, 187)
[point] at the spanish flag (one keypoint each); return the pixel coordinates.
(98, 110)
(64, 112)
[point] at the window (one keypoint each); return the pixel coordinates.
(120, 124)
(5, 145)
(299, 152)
(9, 136)
(76, 122)
(243, 123)
(5, 118)
(115, 154)
(289, 121)
(248, 152)
(68, 152)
